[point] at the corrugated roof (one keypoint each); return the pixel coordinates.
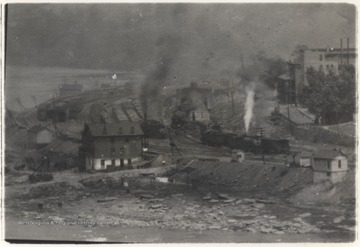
(328, 154)
(123, 128)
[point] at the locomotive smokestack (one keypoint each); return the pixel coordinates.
(249, 106)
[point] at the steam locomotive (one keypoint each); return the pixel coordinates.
(253, 144)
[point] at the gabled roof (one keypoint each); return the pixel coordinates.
(329, 154)
(200, 107)
(123, 128)
(37, 129)
(302, 154)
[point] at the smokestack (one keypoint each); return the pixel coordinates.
(341, 52)
(348, 50)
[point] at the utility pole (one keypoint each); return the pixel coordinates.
(261, 133)
(231, 90)
(172, 144)
(288, 95)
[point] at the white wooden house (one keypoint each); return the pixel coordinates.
(330, 165)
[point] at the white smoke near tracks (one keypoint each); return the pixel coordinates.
(249, 105)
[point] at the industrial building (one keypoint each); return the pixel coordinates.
(327, 60)
(59, 111)
(196, 102)
(107, 146)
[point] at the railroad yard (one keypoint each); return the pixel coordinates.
(191, 193)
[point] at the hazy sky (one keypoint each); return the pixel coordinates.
(200, 40)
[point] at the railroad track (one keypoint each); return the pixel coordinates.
(189, 150)
(188, 142)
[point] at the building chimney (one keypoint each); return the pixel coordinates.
(341, 52)
(348, 51)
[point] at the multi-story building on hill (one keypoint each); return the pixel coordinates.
(324, 59)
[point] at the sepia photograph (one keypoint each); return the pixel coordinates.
(155, 122)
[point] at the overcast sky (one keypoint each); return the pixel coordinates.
(199, 39)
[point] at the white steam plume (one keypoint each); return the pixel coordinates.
(249, 106)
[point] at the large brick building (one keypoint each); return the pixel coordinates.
(324, 59)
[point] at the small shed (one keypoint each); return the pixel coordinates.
(330, 165)
(200, 114)
(300, 159)
(39, 136)
(237, 156)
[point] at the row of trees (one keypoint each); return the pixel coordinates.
(329, 96)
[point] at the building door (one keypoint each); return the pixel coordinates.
(129, 162)
(121, 162)
(113, 162)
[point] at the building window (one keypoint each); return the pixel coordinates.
(120, 130)
(339, 163)
(132, 130)
(327, 67)
(112, 140)
(328, 174)
(320, 67)
(328, 164)
(321, 57)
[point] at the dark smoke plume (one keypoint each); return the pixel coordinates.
(168, 47)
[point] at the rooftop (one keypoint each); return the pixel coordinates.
(329, 154)
(37, 129)
(123, 128)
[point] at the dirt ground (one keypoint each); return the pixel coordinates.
(222, 202)
(92, 207)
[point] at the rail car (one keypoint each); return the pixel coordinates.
(253, 144)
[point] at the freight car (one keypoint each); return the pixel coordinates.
(253, 144)
(216, 138)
